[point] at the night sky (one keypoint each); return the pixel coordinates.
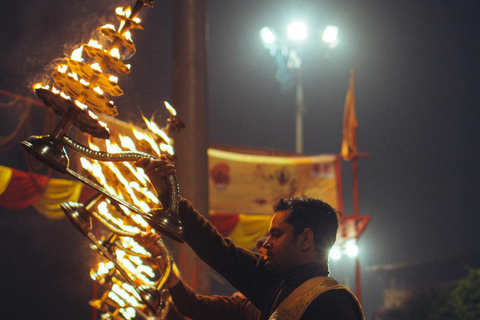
(417, 103)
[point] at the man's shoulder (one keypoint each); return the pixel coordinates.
(333, 305)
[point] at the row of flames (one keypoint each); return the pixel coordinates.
(86, 79)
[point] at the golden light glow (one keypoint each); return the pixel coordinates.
(170, 109)
(109, 26)
(65, 96)
(115, 53)
(81, 105)
(62, 68)
(145, 137)
(152, 126)
(113, 79)
(95, 44)
(128, 12)
(75, 76)
(166, 148)
(37, 86)
(98, 90)
(120, 292)
(77, 54)
(112, 295)
(94, 116)
(96, 66)
(84, 82)
(128, 35)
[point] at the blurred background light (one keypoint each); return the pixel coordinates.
(297, 31)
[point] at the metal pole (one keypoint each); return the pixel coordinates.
(358, 281)
(300, 111)
(190, 100)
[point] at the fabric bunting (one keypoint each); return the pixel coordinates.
(56, 192)
(20, 190)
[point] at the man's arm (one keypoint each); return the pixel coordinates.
(244, 269)
(203, 307)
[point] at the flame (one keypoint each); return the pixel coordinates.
(128, 35)
(81, 105)
(125, 295)
(84, 82)
(115, 53)
(112, 295)
(94, 116)
(109, 26)
(75, 76)
(95, 44)
(55, 90)
(167, 148)
(96, 66)
(142, 136)
(65, 96)
(98, 90)
(62, 68)
(152, 126)
(113, 79)
(77, 54)
(135, 266)
(171, 109)
(37, 86)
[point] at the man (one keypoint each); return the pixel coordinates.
(292, 282)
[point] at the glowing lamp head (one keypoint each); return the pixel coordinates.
(335, 253)
(267, 35)
(297, 31)
(330, 35)
(351, 248)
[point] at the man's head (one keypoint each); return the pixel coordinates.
(302, 230)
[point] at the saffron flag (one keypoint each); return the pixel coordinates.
(350, 124)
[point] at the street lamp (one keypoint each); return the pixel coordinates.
(287, 57)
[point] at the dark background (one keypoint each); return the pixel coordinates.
(417, 105)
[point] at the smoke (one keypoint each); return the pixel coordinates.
(39, 33)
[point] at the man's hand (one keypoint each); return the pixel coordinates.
(149, 242)
(156, 170)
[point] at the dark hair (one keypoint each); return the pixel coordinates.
(315, 214)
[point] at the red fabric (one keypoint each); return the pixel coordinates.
(224, 222)
(23, 190)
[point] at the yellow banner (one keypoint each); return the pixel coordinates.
(56, 192)
(252, 184)
(5, 176)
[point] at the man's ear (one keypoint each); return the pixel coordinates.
(307, 239)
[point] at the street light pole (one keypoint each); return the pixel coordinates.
(300, 112)
(296, 31)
